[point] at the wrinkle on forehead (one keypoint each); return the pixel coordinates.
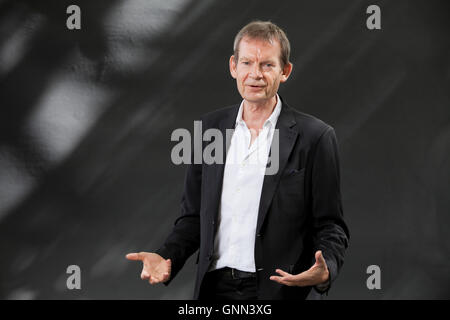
(265, 43)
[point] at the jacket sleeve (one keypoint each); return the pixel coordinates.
(330, 233)
(184, 239)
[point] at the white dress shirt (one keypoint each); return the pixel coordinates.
(241, 192)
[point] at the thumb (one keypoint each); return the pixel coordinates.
(319, 258)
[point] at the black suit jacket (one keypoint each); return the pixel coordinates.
(300, 209)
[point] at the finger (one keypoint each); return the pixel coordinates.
(144, 275)
(287, 277)
(277, 279)
(154, 280)
(283, 273)
(280, 280)
(133, 256)
(165, 277)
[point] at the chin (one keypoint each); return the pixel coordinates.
(255, 97)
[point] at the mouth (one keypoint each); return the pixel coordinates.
(255, 87)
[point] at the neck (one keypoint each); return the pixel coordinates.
(258, 111)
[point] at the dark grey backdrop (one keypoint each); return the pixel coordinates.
(86, 118)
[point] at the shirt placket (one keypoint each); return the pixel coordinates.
(239, 167)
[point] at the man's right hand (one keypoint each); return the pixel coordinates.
(155, 268)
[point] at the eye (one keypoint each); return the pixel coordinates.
(245, 62)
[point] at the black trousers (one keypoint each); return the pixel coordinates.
(222, 284)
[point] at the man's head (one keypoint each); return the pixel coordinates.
(260, 60)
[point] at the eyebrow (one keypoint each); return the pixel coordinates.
(265, 61)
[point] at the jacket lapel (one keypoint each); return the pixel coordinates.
(287, 137)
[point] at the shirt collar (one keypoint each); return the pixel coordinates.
(272, 118)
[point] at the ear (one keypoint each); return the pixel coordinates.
(286, 72)
(233, 67)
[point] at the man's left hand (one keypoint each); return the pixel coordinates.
(315, 275)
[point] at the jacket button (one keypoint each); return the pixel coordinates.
(258, 235)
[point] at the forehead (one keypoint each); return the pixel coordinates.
(259, 48)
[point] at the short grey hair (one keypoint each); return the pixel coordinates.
(264, 30)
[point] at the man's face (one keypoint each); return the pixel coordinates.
(258, 72)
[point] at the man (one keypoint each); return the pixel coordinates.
(259, 235)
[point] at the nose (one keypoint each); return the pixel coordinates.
(255, 72)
